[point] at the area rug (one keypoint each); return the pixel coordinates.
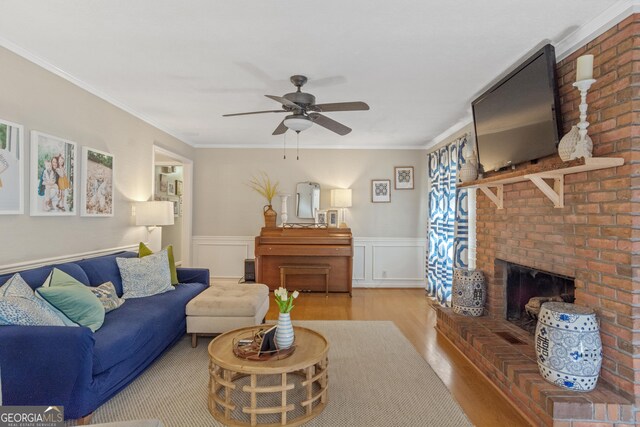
(376, 378)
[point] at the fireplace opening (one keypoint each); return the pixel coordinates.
(528, 288)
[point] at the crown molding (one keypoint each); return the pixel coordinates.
(32, 57)
(590, 30)
(274, 146)
(611, 16)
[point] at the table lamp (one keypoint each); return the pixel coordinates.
(341, 198)
(153, 215)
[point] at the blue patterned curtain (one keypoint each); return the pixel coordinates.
(448, 220)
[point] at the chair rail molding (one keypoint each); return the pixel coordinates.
(378, 262)
(27, 265)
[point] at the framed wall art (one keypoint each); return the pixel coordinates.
(403, 177)
(381, 190)
(179, 187)
(171, 188)
(11, 168)
(53, 175)
(164, 183)
(97, 183)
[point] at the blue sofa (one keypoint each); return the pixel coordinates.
(73, 367)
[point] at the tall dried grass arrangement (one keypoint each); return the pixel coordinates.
(264, 186)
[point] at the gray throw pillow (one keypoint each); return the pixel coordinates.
(107, 295)
(143, 277)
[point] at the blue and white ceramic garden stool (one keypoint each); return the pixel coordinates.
(568, 346)
(469, 292)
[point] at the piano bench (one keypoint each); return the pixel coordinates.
(308, 269)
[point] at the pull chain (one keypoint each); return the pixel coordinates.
(298, 145)
(284, 148)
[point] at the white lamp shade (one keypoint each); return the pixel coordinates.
(341, 198)
(297, 124)
(154, 213)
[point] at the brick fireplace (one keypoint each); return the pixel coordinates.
(595, 239)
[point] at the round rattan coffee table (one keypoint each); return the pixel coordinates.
(269, 392)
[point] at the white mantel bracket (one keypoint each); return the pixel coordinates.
(555, 193)
(497, 197)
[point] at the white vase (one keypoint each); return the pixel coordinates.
(469, 170)
(568, 346)
(284, 332)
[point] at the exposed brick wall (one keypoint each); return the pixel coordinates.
(596, 236)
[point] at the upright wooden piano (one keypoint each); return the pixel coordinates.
(277, 247)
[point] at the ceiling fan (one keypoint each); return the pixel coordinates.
(305, 112)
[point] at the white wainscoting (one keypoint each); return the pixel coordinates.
(378, 262)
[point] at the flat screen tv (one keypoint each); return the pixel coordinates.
(518, 119)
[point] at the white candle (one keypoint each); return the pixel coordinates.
(584, 68)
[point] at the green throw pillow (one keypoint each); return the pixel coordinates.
(72, 298)
(143, 251)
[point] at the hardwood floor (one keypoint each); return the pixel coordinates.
(410, 310)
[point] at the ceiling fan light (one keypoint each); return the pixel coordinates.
(298, 123)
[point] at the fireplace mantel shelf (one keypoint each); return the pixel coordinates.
(539, 176)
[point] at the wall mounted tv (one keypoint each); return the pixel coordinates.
(518, 119)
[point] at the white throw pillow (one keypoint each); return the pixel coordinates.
(143, 277)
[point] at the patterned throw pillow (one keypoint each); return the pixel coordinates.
(19, 306)
(143, 277)
(107, 295)
(143, 251)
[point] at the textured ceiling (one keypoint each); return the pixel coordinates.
(181, 65)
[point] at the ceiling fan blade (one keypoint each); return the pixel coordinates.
(284, 101)
(280, 129)
(255, 112)
(341, 106)
(330, 124)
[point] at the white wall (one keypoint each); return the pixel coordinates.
(40, 100)
(389, 238)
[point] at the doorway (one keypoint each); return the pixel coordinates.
(172, 180)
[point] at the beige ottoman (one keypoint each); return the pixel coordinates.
(223, 307)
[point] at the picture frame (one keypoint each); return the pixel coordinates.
(171, 188)
(164, 182)
(381, 191)
(179, 187)
(96, 194)
(403, 177)
(176, 208)
(321, 217)
(12, 167)
(332, 218)
(52, 192)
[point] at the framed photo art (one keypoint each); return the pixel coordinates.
(381, 190)
(179, 187)
(332, 218)
(97, 183)
(11, 168)
(321, 217)
(403, 177)
(171, 188)
(53, 175)
(164, 183)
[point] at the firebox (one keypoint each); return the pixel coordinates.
(528, 288)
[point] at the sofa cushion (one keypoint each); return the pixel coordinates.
(143, 277)
(72, 298)
(105, 269)
(142, 324)
(144, 251)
